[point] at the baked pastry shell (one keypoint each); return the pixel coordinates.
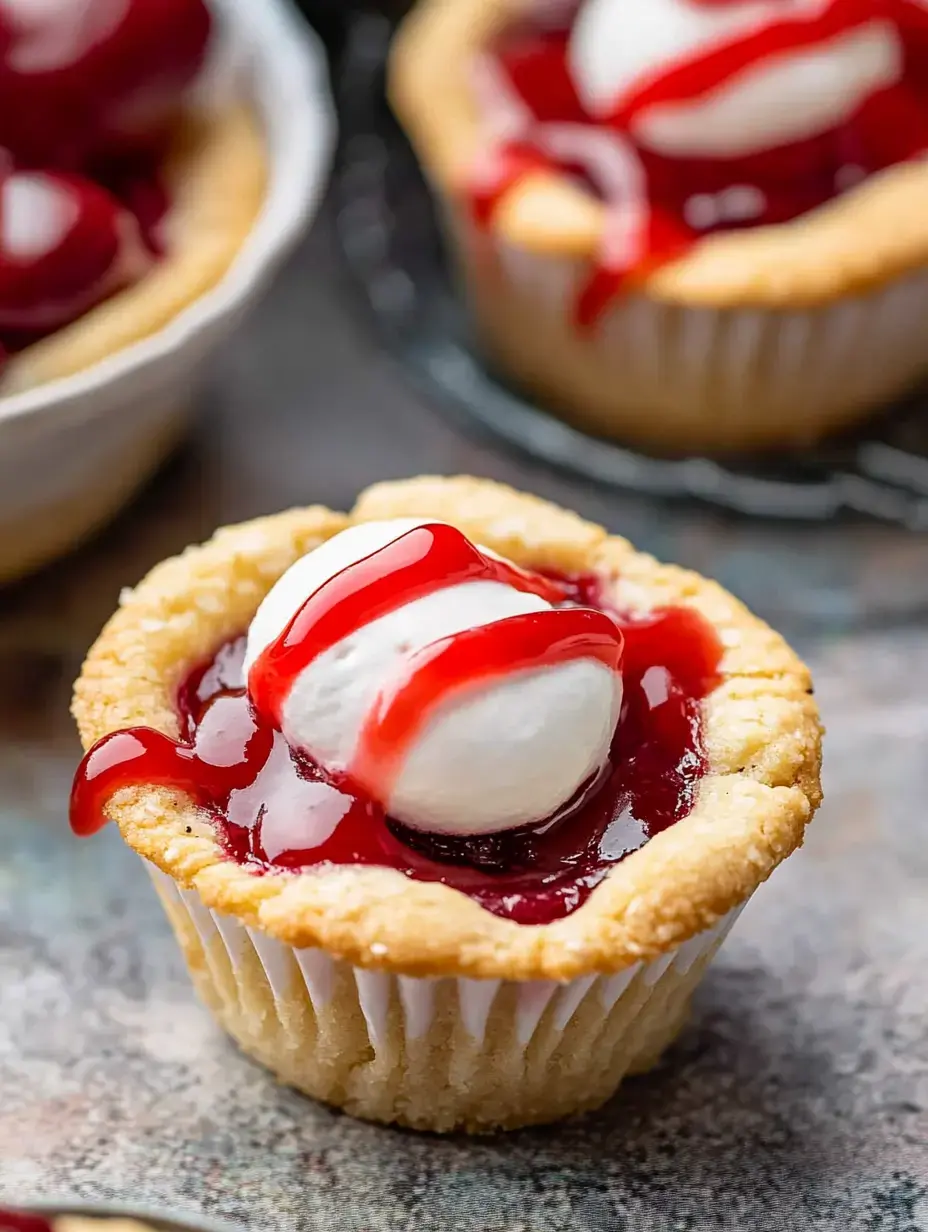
(762, 738)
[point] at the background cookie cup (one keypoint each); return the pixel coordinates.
(766, 337)
(88, 413)
(406, 1001)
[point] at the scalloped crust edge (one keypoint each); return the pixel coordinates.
(762, 729)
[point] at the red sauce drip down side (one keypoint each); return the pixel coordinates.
(275, 809)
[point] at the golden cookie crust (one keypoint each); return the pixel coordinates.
(761, 726)
(861, 240)
(216, 174)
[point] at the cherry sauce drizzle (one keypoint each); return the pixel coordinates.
(417, 563)
(275, 809)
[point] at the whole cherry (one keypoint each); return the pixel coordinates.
(65, 244)
(82, 78)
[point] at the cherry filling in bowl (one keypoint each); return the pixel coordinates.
(275, 809)
(663, 194)
(89, 96)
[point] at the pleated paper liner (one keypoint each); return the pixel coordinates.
(436, 1054)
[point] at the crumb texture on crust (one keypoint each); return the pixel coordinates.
(216, 176)
(762, 734)
(865, 238)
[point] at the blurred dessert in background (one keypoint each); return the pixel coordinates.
(694, 224)
(127, 186)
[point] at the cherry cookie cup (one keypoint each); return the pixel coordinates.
(390, 934)
(668, 228)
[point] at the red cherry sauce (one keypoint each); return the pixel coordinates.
(647, 224)
(88, 95)
(275, 809)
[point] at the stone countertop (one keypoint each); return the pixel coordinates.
(796, 1099)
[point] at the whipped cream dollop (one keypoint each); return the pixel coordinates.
(786, 93)
(506, 751)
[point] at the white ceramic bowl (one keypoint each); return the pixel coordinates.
(72, 451)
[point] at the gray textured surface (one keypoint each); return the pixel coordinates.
(798, 1097)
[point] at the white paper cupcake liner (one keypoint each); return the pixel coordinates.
(680, 376)
(434, 1053)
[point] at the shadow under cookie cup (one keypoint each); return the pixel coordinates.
(406, 1001)
(764, 338)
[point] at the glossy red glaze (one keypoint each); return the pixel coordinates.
(228, 748)
(408, 568)
(276, 809)
(788, 181)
